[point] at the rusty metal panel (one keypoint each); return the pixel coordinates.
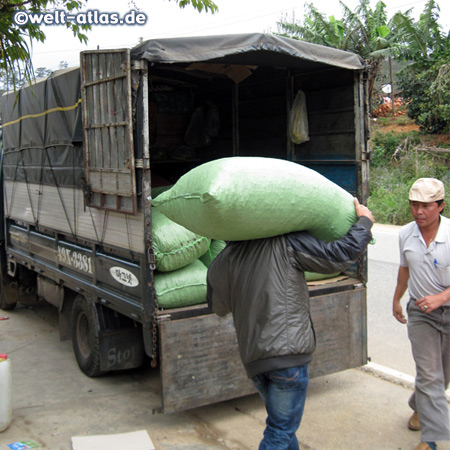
(340, 323)
(108, 130)
(200, 363)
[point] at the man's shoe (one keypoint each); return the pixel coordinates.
(414, 425)
(423, 446)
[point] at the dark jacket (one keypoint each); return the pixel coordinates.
(262, 283)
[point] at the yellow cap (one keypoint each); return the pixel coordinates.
(427, 190)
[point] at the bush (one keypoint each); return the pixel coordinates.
(390, 181)
(427, 91)
(384, 145)
(388, 198)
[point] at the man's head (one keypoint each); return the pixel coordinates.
(426, 198)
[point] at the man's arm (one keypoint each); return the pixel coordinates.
(218, 298)
(402, 285)
(314, 255)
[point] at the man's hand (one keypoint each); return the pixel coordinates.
(398, 312)
(431, 302)
(362, 210)
(400, 289)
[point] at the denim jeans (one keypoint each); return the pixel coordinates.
(284, 394)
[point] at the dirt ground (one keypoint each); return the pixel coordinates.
(403, 124)
(396, 126)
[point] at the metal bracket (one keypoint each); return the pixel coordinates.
(11, 266)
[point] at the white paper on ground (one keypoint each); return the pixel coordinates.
(135, 440)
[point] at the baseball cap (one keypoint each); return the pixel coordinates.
(427, 190)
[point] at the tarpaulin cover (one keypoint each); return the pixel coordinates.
(250, 49)
(42, 131)
(42, 128)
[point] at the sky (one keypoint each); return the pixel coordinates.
(165, 19)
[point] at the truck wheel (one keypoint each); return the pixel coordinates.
(4, 304)
(86, 336)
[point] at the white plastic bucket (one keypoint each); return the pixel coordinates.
(5, 392)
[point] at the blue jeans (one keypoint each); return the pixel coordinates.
(284, 394)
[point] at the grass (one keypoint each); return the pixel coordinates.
(396, 164)
(399, 120)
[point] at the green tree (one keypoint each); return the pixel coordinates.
(16, 41)
(316, 28)
(420, 40)
(425, 82)
(200, 5)
(371, 35)
(364, 31)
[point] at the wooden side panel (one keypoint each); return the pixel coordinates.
(200, 362)
(108, 133)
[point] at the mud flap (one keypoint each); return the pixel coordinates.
(121, 349)
(200, 363)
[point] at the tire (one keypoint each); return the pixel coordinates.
(4, 304)
(86, 336)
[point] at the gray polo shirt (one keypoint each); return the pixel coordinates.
(429, 268)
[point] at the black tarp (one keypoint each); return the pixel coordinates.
(42, 126)
(249, 49)
(42, 131)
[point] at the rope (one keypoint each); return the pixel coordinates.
(15, 181)
(60, 195)
(44, 113)
(29, 194)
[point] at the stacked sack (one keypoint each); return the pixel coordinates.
(182, 258)
(242, 198)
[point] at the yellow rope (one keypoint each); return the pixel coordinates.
(57, 108)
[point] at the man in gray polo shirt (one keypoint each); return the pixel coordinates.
(425, 271)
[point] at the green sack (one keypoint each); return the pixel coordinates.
(214, 249)
(182, 287)
(313, 276)
(241, 198)
(159, 190)
(175, 246)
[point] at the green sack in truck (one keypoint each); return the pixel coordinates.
(214, 249)
(241, 198)
(175, 246)
(182, 287)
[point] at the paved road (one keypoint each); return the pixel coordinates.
(54, 401)
(388, 340)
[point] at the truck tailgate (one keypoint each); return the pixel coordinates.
(200, 361)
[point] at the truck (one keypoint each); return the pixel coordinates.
(85, 149)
